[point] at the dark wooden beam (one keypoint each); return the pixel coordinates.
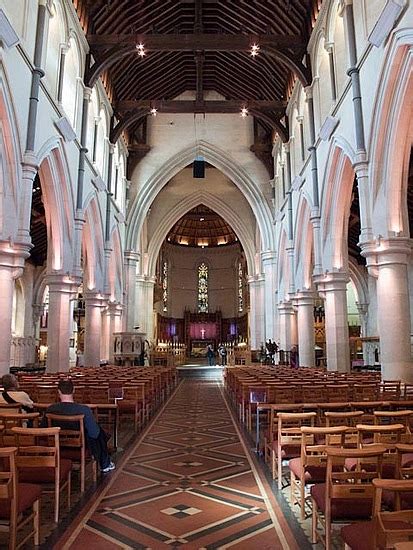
(198, 41)
(199, 61)
(185, 106)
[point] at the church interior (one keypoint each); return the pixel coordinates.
(206, 274)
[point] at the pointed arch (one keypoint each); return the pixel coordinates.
(304, 243)
(10, 161)
(226, 165)
(59, 204)
(391, 136)
(336, 203)
(115, 267)
(93, 246)
(220, 207)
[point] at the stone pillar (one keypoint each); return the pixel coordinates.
(93, 327)
(334, 288)
(144, 305)
(305, 327)
(111, 323)
(11, 267)
(59, 324)
(131, 262)
(288, 326)
(387, 259)
(256, 313)
(269, 264)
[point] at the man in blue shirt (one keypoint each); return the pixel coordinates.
(95, 436)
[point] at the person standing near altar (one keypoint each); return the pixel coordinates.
(210, 355)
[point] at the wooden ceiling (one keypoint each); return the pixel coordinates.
(201, 227)
(200, 46)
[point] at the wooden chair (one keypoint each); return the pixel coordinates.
(133, 405)
(41, 464)
(346, 495)
(19, 502)
(272, 429)
(73, 443)
(386, 529)
(47, 394)
(11, 420)
(288, 442)
(310, 467)
(337, 393)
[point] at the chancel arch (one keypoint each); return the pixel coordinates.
(216, 157)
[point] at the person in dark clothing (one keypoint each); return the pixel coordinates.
(95, 437)
(211, 355)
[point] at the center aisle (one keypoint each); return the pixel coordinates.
(188, 483)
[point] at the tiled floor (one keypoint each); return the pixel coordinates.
(189, 482)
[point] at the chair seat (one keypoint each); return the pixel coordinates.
(388, 470)
(45, 475)
(342, 508)
(313, 474)
(27, 494)
(73, 453)
(360, 536)
(129, 406)
(287, 451)
(407, 460)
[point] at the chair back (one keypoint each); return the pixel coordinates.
(47, 394)
(72, 431)
(8, 483)
(10, 420)
(353, 485)
(44, 452)
(392, 527)
(290, 424)
(315, 440)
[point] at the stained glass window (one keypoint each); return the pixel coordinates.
(165, 285)
(240, 288)
(203, 288)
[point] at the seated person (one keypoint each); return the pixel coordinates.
(96, 438)
(11, 393)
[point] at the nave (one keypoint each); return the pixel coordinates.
(190, 481)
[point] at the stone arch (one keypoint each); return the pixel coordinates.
(336, 202)
(220, 207)
(359, 282)
(93, 246)
(59, 204)
(303, 246)
(226, 165)
(115, 267)
(391, 136)
(10, 161)
(284, 272)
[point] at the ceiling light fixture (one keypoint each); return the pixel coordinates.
(255, 50)
(244, 112)
(141, 49)
(153, 111)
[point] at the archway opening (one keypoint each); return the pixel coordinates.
(201, 295)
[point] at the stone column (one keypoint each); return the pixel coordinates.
(288, 327)
(305, 326)
(131, 262)
(111, 324)
(334, 288)
(12, 259)
(387, 259)
(144, 304)
(269, 268)
(93, 327)
(59, 324)
(256, 313)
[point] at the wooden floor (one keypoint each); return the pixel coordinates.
(189, 481)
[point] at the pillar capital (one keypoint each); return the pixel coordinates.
(94, 299)
(131, 256)
(63, 282)
(386, 251)
(268, 256)
(304, 298)
(13, 255)
(286, 308)
(332, 281)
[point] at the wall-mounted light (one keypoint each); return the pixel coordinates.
(244, 112)
(153, 111)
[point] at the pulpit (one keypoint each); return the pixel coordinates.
(129, 348)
